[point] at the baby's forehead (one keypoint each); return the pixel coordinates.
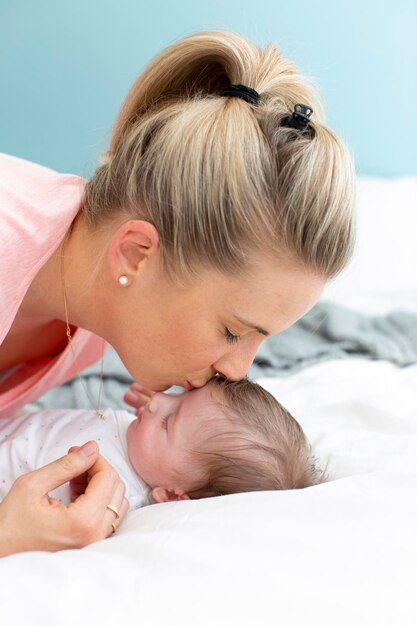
(207, 401)
(211, 414)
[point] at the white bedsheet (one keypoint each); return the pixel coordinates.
(342, 553)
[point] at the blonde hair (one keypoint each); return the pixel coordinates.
(219, 178)
(256, 445)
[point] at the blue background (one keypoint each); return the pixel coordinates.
(65, 68)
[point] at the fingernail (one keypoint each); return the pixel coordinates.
(88, 448)
(132, 396)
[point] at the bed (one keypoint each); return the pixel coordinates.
(344, 552)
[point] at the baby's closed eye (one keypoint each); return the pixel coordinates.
(165, 421)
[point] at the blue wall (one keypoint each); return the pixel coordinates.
(65, 67)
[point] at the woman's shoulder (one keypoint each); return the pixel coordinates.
(10, 163)
(25, 179)
(37, 206)
(36, 192)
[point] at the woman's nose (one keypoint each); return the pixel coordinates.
(235, 364)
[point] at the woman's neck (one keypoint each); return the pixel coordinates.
(71, 261)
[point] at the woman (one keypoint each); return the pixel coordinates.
(221, 210)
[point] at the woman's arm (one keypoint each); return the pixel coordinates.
(31, 520)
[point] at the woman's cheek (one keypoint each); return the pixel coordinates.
(204, 353)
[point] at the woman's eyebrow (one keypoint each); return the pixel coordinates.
(253, 326)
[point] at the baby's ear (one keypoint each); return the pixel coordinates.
(160, 494)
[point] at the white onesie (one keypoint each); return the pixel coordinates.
(32, 440)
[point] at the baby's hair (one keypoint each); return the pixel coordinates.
(260, 446)
(222, 179)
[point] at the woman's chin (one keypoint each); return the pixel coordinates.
(154, 385)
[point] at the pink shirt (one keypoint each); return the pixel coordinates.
(37, 206)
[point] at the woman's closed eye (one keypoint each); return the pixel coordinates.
(230, 337)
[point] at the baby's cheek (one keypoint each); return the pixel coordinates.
(134, 457)
(142, 456)
(132, 445)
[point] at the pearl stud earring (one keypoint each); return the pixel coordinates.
(123, 280)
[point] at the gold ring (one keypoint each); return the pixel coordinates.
(114, 527)
(115, 511)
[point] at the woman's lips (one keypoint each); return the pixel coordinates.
(185, 385)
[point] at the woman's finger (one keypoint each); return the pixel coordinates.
(102, 481)
(114, 510)
(104, 489)
(109, 519)
(117, 499)
(78, 485)
(67, 467)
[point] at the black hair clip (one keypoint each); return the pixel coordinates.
(300, 118)
(241, 91)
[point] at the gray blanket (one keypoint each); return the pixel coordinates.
(330, 331)
(327, 332)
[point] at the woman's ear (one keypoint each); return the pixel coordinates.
(133, 243)
(161, 494)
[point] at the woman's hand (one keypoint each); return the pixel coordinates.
(31, 520)
(137, 396)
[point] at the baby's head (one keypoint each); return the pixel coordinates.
(226, 437)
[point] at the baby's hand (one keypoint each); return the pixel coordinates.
(137, 396)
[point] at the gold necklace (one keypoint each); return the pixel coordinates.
(97, 410)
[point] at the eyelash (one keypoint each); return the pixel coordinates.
(230, 337)
(165, 421)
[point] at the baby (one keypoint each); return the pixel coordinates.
(226, 437)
